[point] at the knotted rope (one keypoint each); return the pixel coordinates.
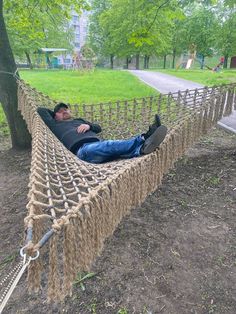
(76, 205)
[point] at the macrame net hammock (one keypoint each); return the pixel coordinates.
(76, 205)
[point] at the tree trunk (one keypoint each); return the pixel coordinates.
(8, 90)
(173, 60)
(145, 62)
(127, 62)
(137, 61)
(226, 61)
(112, 62)
(148, 58)
(29, 60)
(164, 65)
(202, 62)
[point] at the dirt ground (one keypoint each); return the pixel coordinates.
(176, 254)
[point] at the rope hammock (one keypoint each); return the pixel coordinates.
(76, 205)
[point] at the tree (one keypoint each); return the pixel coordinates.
(226, 37)
(178, 43)
(125, 30)
(8, 85)
(200, 30)
(154, 28)
(230, 3)
(205, 26)
(96, 34)
(49, 31)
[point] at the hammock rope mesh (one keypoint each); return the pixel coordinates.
(81, 204)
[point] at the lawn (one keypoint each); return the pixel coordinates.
(205, 77)
(87, 87)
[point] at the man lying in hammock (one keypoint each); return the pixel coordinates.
(80, 137)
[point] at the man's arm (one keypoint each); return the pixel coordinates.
(96, 128)
(47, 116)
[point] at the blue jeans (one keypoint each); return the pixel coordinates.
(103, 151)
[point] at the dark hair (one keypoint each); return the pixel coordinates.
(59, 106)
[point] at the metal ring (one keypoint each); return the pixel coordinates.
(22, 251)
(31, 258)
(35, 257)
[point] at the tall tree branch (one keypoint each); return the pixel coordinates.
(155, 17)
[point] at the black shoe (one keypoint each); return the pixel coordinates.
(154, 140)
(157, 120)
(153, 127)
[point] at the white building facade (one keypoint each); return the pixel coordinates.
(80, 25)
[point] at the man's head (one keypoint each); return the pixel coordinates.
(62, 112)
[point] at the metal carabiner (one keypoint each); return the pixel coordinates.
(30, 257)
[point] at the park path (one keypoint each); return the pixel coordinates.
(166, 83)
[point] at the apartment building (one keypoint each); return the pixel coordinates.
(80, 25)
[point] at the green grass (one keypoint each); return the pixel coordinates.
(4, 130)
(2, 116)
(205, 77)
(8, 259)
(87, 87)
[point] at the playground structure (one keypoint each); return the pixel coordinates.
(46, 57)
(59, 58)
(187, 60)
(218, 67)
(85, 59)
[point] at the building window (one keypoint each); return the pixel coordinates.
(75, 18)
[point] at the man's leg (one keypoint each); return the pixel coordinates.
(104, 151)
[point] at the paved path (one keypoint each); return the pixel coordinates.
(166, 83)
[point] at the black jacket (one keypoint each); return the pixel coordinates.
(66, 131)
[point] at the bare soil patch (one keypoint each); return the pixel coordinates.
(175, 254)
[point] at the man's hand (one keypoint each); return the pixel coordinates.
(83, 128)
